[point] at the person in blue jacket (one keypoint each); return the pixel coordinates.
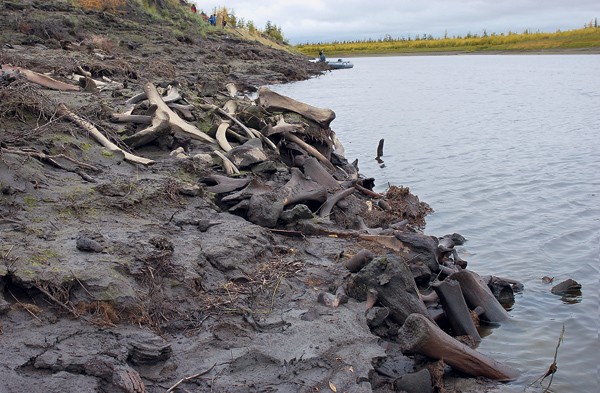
(321, 56)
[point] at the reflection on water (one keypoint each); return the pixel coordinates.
(505, 150)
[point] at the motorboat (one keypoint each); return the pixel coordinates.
(337, 65)
(340, 64)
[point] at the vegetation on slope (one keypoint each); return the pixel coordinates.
(587, 37)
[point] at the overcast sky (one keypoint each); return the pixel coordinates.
(316, 21)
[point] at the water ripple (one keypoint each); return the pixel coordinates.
(505, 149)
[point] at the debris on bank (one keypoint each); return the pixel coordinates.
(173, 234)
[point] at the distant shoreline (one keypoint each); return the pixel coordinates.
(595, 50)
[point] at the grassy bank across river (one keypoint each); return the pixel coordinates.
(580, 41)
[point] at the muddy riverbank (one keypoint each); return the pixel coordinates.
(144, 262)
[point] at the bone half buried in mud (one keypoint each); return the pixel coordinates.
(422, 336)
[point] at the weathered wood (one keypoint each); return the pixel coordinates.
(421, 336)
(387, 241)
(456, 309)
(272, 101)
(477, 293)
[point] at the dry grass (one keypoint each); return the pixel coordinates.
(23, 101)
(160, 69)
(101, 42)
(102, 313)
(405, 206)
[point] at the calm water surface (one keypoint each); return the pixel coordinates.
(506, 149)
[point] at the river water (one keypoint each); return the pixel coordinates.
(506, 150)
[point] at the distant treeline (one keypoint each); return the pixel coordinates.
(588, 36)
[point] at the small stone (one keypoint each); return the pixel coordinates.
(299, 212)
(203, 159)
(566, 287)
(85, 244)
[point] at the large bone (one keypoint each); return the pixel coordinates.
(231, 89)
(456, 308)
(359, 260)
(40, 79)
(221, 136)
(229, 108)
(335, 198)
(314, 152)
(477, 293)
(164, 114)
(391, 277)
(281, 127)
(265, 209)
(272, 101)
(339, 148)
(224, 184)
(229, 167)
(63, 111)
(255, 187)
(316, 172)
(248, 131)
(420, 335)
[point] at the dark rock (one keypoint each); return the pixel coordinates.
(424, 248)
(298, 212)
(419, 382)
(568, 286)
(148, 349)
(390, 276)
(376, 316)
(246, 155)
(502, 291)
(85, 244)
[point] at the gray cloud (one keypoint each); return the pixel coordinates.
(320, 21)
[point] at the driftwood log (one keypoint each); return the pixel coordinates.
(419, 335)
(271, 101)
(456, 309)
(477, 293)
(391, 277)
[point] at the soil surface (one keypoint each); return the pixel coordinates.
(122, 277)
